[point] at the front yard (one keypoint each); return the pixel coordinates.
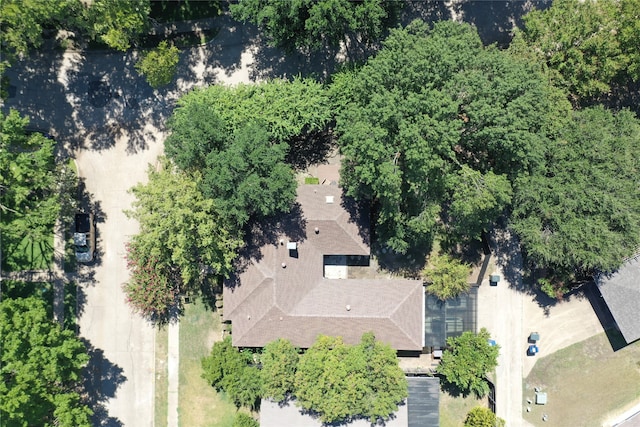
(586, 383)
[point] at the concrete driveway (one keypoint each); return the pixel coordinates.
(512, 310)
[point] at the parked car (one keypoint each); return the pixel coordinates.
(84, 237)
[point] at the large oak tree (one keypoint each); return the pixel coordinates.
(40, 368)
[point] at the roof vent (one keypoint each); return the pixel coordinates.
(281, 242)
(317, 230)
(348, 307)
(284, 265)
(329, 199)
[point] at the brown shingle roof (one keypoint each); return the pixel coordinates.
(266, 301)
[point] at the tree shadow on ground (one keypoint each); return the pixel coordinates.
(102, 378)
(311, 148)
(496, 20)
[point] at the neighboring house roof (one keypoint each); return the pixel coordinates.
(421, 409)
(621, 292)
(266, 301)
(423, 402)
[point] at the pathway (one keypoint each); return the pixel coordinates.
(173, 364)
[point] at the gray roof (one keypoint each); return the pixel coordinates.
(421, 409)
(423, 402)
(273, 414)
(621, 292)
(265, 301)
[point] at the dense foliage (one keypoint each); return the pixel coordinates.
(181, 238)
(581, 212)
(116, 22)
(244, 420)
(279, 363)
(233, 371)
(434, 129)
(334, 380)
(314, 24)
(466, 361)
(482, 417)
(40, 368)
(215, 132)
(588, 45)
(339, 382)
(159, 66)
(34, 190)
(446, 277)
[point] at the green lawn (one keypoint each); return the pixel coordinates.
(161, 371)
(585, 383)
(26, 256)
(453, 410)
(199, 404)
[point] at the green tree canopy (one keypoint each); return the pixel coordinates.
(482, 417)
(288, 109)
(249, 177)
(40, 368)
(115, 22)
(466, 361)
(279, 363)
(180, 230)
(215, 132)
(314, 24)
(588, 45)
(446, 276)
(430, 117)
(244, 420)
(34, 191)
(159, 66)
(581, 212)
(477, 199)
(233, 371)
(339, 382)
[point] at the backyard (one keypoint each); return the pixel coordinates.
(454, 409)
(586, 383)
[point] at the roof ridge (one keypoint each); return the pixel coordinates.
(393, 314)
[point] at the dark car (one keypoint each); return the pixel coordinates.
(84, 237)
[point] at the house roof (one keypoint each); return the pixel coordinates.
(421, 409)
(273, 414)
(423, 403)
(266, 301)
(621, 292)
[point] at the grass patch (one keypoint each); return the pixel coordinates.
(26, 255)
(311, 180)
(454, 409)
(162, 377)
(184, 10)
(584, 382)
(199, 404)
